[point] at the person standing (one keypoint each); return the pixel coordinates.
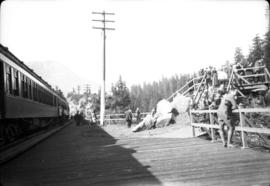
(138, 115)
(129, 118)
(94, 117)
(214, 77)
(77, 118)
(226, 118)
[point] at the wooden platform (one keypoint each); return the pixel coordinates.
(84, 156)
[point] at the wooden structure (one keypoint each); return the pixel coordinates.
(93, 156)
(195, 84)
(244, 79)
(246, 123)
(112, 118)
(248, 79)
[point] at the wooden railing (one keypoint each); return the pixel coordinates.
(245, 77)
(110, 118)
(186, 88)
(246, 124)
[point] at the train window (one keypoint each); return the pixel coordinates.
(30, 89)
(22, 84)
(35, 92)
(38, 94)
(8, 79)
(16, 82)
(25, 91)
(42, 95)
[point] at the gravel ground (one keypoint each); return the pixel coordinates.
(171, 131)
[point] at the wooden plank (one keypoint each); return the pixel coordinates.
(205, 125)
(237, 128)
(91, 156)
(247, 110)
(252, 75)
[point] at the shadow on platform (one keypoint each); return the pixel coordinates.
(114, 164)
(77, 156)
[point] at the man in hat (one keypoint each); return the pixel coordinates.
(225, 116)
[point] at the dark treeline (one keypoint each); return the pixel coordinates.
(147, 95)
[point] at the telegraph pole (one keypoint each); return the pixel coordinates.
(87, 90)
(103, 28)
(78, 88)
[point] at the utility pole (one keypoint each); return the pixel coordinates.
(103, 28)
(78, 88)
(87, 90)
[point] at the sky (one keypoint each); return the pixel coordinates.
(152, 38)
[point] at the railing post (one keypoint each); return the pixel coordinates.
(265, 75)
(213, 137)
(191, 121)
(242, 124)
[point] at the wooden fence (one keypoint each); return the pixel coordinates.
(115, 118)
(246, 123)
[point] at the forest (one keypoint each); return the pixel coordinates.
(146, 95)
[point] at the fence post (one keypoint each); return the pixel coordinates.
(265, 75)
(191, 121)
(212, 129)
(242, 124)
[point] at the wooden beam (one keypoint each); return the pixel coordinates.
(251, 123)
(237, 128)
(249, 110)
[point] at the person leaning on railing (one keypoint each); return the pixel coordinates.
(226, 118)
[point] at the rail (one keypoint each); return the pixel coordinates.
(187, 87)
(121, 117)
(246, 123)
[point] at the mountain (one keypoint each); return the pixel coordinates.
(57, 75)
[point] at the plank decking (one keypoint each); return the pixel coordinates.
(90, 156)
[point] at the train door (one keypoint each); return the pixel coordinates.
(2, 90)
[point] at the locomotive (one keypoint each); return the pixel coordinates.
(27, 102)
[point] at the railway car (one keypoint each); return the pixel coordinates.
(27, 102)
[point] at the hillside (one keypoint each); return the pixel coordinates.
(57, 75)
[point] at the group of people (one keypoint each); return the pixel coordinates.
(250, 69)
(129, 117)
(90, 116)
(78, 117)
(215, 96)
(211, 75)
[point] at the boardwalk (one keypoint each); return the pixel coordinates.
(84, 156)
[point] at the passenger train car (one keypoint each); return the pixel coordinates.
(27, 102)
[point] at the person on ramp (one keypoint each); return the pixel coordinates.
(226, 118)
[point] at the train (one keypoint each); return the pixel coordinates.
(27, 102)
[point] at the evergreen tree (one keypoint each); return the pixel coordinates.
(266, 58)
(238, 55)
(256, 51)
(120, 96)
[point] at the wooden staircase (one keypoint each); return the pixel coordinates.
(244, 80)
